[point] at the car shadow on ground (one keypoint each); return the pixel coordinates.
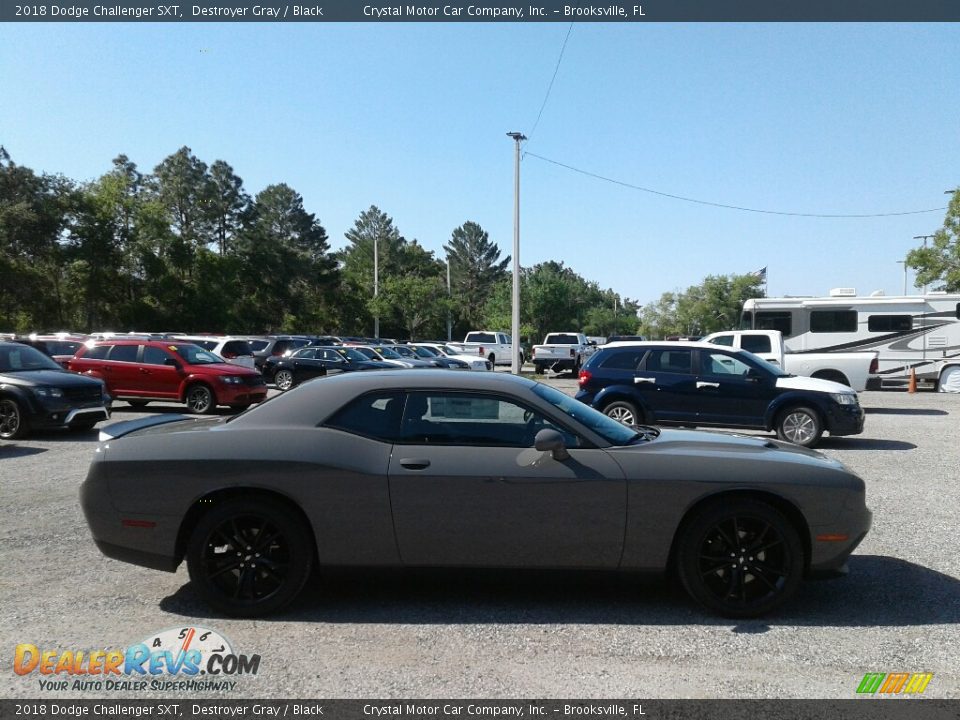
(904, 411)
(12, 450)
(860, 443)
(879, 592)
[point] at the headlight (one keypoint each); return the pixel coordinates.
(844, 398)
(231, 379)
(48, 392)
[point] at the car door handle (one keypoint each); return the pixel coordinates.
(415, 463)
(638, 380)
(701, 385)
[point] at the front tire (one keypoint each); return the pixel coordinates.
(623, 412)
(200, 400)
(249, 557)
(740, 558)
(800, 426)
(13, 425)
(283, 380)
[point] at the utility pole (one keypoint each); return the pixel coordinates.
(515, 329)
(449, 299)
(904, 263)
(924, 238)
(376, 287)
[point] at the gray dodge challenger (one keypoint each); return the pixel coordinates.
(480, 470)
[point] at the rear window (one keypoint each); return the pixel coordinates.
(833, 321)
(562, 339)
(481, 337)
(124, 353)
(623, 360)
(237, 348)
(889, 323)
(755, 343)
(376, 416)
(98, 352)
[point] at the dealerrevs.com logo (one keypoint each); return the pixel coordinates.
(894, 683)
(189, 659)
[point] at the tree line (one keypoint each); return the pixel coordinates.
(187, 248)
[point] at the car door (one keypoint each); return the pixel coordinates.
(159, 378)
(123, 370)
(728, 394)
(468, 488)
(332, 361)
(667, 385)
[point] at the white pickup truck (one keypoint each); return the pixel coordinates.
(494, 346)
(562, 351)
(851, 369)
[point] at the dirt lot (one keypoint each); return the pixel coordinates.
(508, 635)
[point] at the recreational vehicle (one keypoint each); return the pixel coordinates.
(913, 332)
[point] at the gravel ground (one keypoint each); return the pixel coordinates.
(520, 635)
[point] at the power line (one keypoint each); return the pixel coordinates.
(550, 86)
(722, 205)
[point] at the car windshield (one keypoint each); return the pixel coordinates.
(405, 351)
(23, 358)
(195, 355)
(451, 350)
(612, 431)
(352, 354)
(367, 353)
(425, 352)
(389, 354)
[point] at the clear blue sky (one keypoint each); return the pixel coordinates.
(810, 118)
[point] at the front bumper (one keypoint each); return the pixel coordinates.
(59, 416)
(844, 419)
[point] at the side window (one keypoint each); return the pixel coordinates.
(375, 415)
(124, 353)
(98, 352)
(722, 364)
(440, 418)
(670, 361)
(623, 360)
(770, 320)
(755, 343)
(725, 340)
(890, 323)
(833, 321)
(331, 356)
(237, 348)
(154, 355)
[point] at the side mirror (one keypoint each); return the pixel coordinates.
(548, 439)
(754, 375)
(592, 343)
(173, 362)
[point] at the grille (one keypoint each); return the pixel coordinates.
(254, 380)
(82, 394)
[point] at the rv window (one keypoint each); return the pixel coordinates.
(746, 320)
(889, 323)
(958, 311)
(833, 321)
(781, 321)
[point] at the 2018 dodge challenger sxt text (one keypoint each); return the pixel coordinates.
(463, 469)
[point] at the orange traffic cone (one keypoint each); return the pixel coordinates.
(912, 386)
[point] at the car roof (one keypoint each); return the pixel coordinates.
(668, 344)
(138, 341)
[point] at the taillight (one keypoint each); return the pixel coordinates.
(572, 353)
(480, 352)
(585, 377)
(874, 366)
(533, 353)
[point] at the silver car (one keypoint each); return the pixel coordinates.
(487, 470)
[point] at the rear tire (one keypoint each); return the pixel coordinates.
(538, 369)
(283, 379)
(493, 360)
(740, 558)
(800, 425)
(623, 412)
(249, 557)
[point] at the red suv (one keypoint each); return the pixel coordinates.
(139, 371)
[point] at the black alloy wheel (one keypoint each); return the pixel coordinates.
(13, 424)
(249, 557)
(741, 558)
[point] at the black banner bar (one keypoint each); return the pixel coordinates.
(488, 11)
(178, 708)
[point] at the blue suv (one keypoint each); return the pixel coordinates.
(702, 384)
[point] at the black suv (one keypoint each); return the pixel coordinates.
(35, 392)
(691, 383)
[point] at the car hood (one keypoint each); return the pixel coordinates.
(799, 382)
(223, 368)
(58, 378)
(710, 443)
